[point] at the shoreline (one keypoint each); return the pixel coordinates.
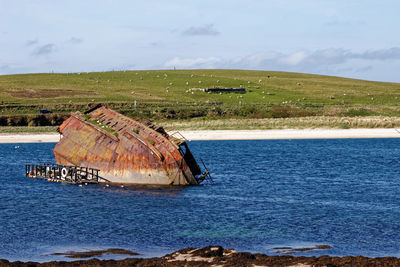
(218, 256)
(235, 135)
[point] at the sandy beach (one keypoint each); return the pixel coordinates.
(234, 135)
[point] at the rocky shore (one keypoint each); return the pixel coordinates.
(217, 256)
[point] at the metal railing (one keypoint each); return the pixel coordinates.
(62, 173)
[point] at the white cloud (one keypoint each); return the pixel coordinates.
(308, 60)
(44, 50)
(74, 40)
(209, 62)
(201, 30)
(331, 61)
(31, 42)
(293, 59)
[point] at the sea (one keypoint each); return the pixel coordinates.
(267, 194)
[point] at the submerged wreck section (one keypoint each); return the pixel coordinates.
(126, 151)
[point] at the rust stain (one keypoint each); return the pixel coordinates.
(124, 150)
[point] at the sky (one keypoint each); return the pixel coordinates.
(348, 38)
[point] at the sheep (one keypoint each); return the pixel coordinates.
(187, 83)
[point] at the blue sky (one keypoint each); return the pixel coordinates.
(358, 39)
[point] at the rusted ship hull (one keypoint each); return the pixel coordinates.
(125, 151)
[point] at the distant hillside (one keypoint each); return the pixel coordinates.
(166, 94)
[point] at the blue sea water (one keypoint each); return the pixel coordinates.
(267, 194)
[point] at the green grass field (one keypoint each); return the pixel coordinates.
(164, 95)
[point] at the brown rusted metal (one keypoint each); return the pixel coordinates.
(124, 150)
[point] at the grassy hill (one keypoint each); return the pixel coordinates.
(165, 94)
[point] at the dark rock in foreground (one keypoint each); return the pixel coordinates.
(217, 256)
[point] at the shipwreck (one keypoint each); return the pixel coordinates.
(124, 151)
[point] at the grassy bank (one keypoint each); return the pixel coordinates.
(252, 124)
(167, 97)
(27, 129)
(285, 123)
